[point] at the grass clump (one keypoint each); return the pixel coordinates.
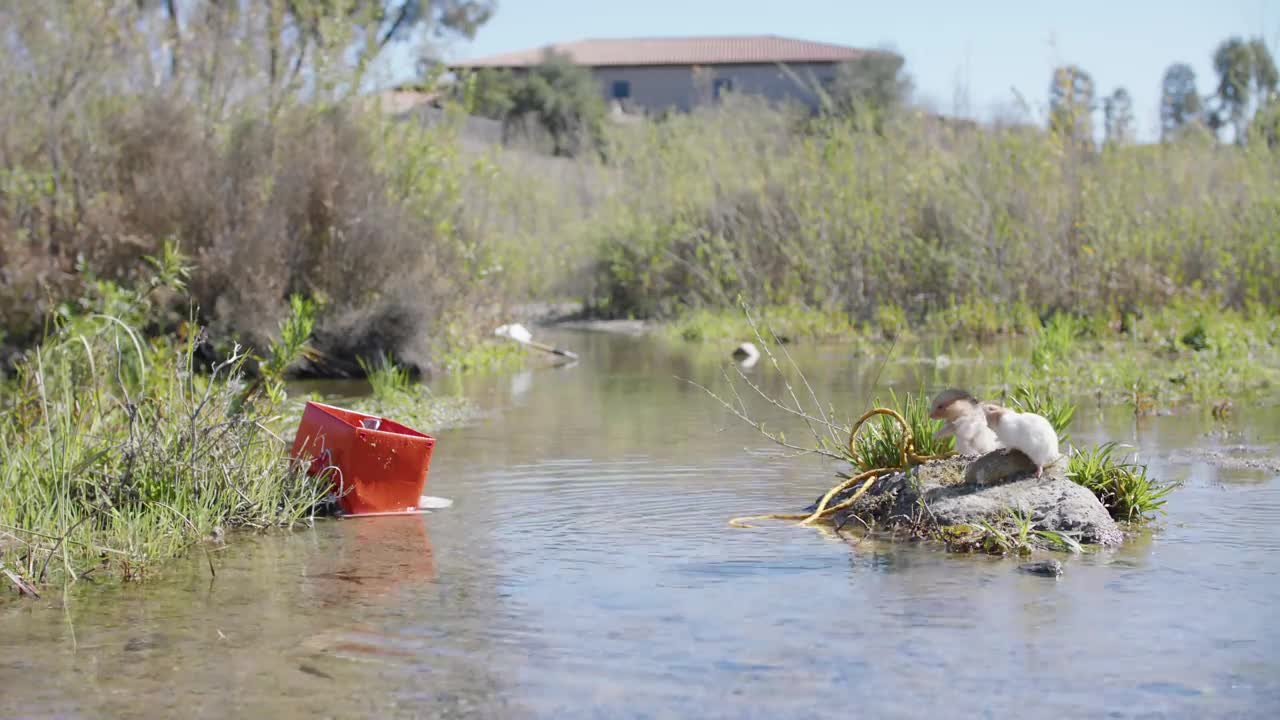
(387, 380)
(1121, 485)
(879, 444)
(120, 452)
(396, 395)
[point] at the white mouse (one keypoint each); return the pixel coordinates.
(1029, 433)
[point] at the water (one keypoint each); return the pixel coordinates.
(586, 570)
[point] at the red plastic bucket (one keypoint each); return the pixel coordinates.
(378, 465)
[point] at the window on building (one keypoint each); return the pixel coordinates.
(621, 89)
(721, 85)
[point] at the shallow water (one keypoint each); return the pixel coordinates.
(586, 570)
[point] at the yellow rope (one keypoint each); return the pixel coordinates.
(907, 450)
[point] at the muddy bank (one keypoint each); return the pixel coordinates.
(951, 499)
(576, 316)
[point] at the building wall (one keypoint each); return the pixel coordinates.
(683, 87)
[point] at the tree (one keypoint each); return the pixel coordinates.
(1071, 104)
(1118, 111)
(875, 84)
(1179, 99)
(371, 25)
(561, 96)
(1247, 80)
(487, 92)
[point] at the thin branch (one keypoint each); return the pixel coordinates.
(401, 17)
(760, 427)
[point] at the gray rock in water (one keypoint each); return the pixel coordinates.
(1047, 568)
(967, 491)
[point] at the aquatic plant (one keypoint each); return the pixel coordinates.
(1121, 485)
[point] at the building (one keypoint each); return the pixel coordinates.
(682, 72)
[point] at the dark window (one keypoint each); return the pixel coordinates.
(719, 85)
(621, 89)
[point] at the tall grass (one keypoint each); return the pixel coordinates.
(120, 452)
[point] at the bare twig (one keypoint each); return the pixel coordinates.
(760, 426)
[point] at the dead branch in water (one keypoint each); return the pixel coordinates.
(24, 587)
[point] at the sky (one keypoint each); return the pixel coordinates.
(967, 58)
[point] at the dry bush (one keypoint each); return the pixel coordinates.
(265, 209)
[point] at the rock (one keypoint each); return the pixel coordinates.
(997, 467)
(966, 491)
(1047, 568)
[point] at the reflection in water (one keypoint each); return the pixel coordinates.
(373, 557)
(586, 569)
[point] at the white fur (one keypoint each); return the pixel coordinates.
(973, 435)
(1030, 433)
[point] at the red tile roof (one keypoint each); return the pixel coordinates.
(729, 50)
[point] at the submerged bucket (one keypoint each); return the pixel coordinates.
(379, 466)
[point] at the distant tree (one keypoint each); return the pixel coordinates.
(487, 92)
(875, 85)
(1247, 80)
(1072, 103)
(565, 99)
(557, 95)
(1179, 99)
(1118, 111)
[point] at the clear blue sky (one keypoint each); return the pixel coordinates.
(976, 52)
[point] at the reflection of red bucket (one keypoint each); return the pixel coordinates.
(379, 465)
(369, 560)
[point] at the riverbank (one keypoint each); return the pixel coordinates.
(123, 451)
(1182, 355)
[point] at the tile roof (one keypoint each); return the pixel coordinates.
(725, 50)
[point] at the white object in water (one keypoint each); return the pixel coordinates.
(427, 502)
(516, 332)
(746, 354)
(521, 334)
